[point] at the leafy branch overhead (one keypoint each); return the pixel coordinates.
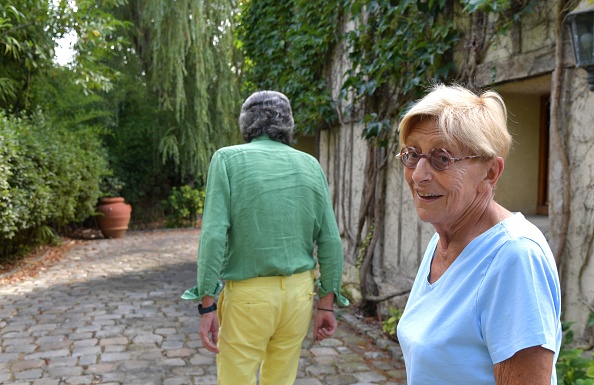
(394, 51)
(288, 46)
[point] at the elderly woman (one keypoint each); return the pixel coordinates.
(485, 304)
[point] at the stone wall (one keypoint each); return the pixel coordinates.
(577, 265)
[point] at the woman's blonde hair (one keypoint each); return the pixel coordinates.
(478, 123)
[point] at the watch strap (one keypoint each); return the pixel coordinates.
(204, 310)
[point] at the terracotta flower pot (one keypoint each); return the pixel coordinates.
(114, 218)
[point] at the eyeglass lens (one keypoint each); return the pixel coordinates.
(438, 157)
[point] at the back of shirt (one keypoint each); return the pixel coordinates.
(272, 202)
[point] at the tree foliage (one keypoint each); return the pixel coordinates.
(175, 95)
(100, 37)
(182, 53)
(29, 31)
(288, 46)
(26, 50)
(191, 66)
(158, 81)
(49, 176)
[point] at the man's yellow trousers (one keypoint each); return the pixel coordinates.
(263, 322)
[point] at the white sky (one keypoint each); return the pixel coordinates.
(64, 53)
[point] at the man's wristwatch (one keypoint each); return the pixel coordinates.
(204, 310)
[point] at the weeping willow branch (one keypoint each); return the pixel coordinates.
(189, 54)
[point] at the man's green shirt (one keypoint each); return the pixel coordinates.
(267, 206)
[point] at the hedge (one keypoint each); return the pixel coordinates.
(49, 177)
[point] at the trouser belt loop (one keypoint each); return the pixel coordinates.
(283, 283)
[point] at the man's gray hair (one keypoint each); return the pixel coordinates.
(267, 112)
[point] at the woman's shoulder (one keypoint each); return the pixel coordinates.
(520, 229)
(523, 244)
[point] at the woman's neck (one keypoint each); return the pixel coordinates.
(454, 239)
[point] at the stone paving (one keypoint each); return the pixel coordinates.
(109, 312)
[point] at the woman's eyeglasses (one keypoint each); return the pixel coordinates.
(439, 158)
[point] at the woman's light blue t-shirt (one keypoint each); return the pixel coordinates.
(500, 295)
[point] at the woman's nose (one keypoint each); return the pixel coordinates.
(423, 172)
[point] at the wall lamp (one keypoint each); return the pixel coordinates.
(581, 26)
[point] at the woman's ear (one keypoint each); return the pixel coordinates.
(496, 166)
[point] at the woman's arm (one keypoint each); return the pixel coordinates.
(532, 366)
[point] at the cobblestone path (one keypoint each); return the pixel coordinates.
(109, 312)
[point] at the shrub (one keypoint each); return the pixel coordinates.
(573, 367)
(48, 177)
(183, 206)
(111, 186)
(389, 325)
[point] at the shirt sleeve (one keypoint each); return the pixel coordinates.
(216, 220)
(519, 301)
(330, 254)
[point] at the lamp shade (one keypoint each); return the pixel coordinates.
(581, 26)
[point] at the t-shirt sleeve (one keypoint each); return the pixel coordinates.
(518, 302)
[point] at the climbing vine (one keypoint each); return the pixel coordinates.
(489, 19)
(288, 46)
(395, 50)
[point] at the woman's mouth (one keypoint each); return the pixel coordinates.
(427, 196)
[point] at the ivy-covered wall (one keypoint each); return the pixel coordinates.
(521, 65)
(350, 79)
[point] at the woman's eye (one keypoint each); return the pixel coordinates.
(412, 154)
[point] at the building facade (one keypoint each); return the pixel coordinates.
(549, 174)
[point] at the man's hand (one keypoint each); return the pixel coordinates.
(324, 321)
(209, 326)
(324, 325)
